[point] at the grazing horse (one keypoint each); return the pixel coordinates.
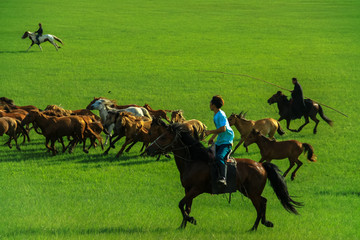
(267, 126)
(192, 160)
(11, 127)
(44, 38)
(311, 110)
(193, 124)
(290, 149)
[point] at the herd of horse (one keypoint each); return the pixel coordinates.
(162, 135)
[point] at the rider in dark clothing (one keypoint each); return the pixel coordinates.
(298, 104)
(39, 33)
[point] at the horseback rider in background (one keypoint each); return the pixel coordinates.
(39, 33)
(297, 100)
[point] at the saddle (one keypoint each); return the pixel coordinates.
(230, 173)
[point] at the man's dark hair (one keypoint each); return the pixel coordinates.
(294, 79)
(217, 101)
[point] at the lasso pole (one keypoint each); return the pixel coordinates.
(245, 75)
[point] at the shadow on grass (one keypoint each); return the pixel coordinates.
(89, 231)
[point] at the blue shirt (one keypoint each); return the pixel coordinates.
(226, 137)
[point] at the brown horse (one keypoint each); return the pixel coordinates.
(59, 111)
(290, 149)
(158, 113)
(192, 125)
(285, 112)
(10, 104)
(192, 160)
(267, 126)
(11, 127)
(133, 128)
(54, 128)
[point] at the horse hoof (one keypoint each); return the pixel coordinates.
(268, 224)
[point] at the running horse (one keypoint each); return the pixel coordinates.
(192, 160)
(311, 110)
(44, 38)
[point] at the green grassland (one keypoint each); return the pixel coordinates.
(150, 52)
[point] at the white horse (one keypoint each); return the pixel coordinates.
(103, 105)
(44, 38)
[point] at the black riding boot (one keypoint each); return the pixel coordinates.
(222, 174)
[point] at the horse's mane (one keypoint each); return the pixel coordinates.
(283, 97)
(58, 110)
(108, 101)
(197, 151)
(7, 100)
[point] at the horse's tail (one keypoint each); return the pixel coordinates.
(278, 184)
(309, 149)
(325, 118)
(280, 130)
(58, 39)
(23, 130)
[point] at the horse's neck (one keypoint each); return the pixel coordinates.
(243, 125)
(103, 113)
(263, 142)
(43, 121)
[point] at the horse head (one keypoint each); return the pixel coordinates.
(232, 119)
(276, 97)
(26, 34)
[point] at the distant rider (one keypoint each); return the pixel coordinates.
(39, 33)
(297, 101)
(224, 134)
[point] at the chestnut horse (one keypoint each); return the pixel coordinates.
(285, 112)
(157, 113)
(267, 126)
(192, 160)
(54, 128)
(193, 124)
(290, 149)
(12, 127)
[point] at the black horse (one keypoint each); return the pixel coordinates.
(285, 112)
(192, 160)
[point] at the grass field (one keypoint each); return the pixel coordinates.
(150, 52)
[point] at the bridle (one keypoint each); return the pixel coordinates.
(171, 147)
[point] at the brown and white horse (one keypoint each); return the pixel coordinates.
(44, 38)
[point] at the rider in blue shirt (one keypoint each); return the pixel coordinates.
(224, 134)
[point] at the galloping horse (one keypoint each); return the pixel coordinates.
(193, 124)
(44, 38)
(192, 160)
(290, 149)
(267, 126)
(104, 105)
(311, 110)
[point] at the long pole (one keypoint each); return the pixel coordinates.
(245, 75)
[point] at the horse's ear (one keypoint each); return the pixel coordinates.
(245, 114)
(279, 92)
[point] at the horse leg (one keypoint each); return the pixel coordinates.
(263, 208)
(55, 45)
(128, 149)
(112, 144)
(292, 163)
(257, 202)
(30, 46)
(313, 117)
(40, 47)
(288, 125)
(306, 122)
(299, 163)
(241, 141)
(16, 144)
(127, 141)
(185, 206)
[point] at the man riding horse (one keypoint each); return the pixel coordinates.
(39, 33)
(297, 101)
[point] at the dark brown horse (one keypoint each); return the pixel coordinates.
(192, 160)
(270, 149)
(311, 110)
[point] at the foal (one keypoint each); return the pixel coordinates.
(290, 149)
(267, 126)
